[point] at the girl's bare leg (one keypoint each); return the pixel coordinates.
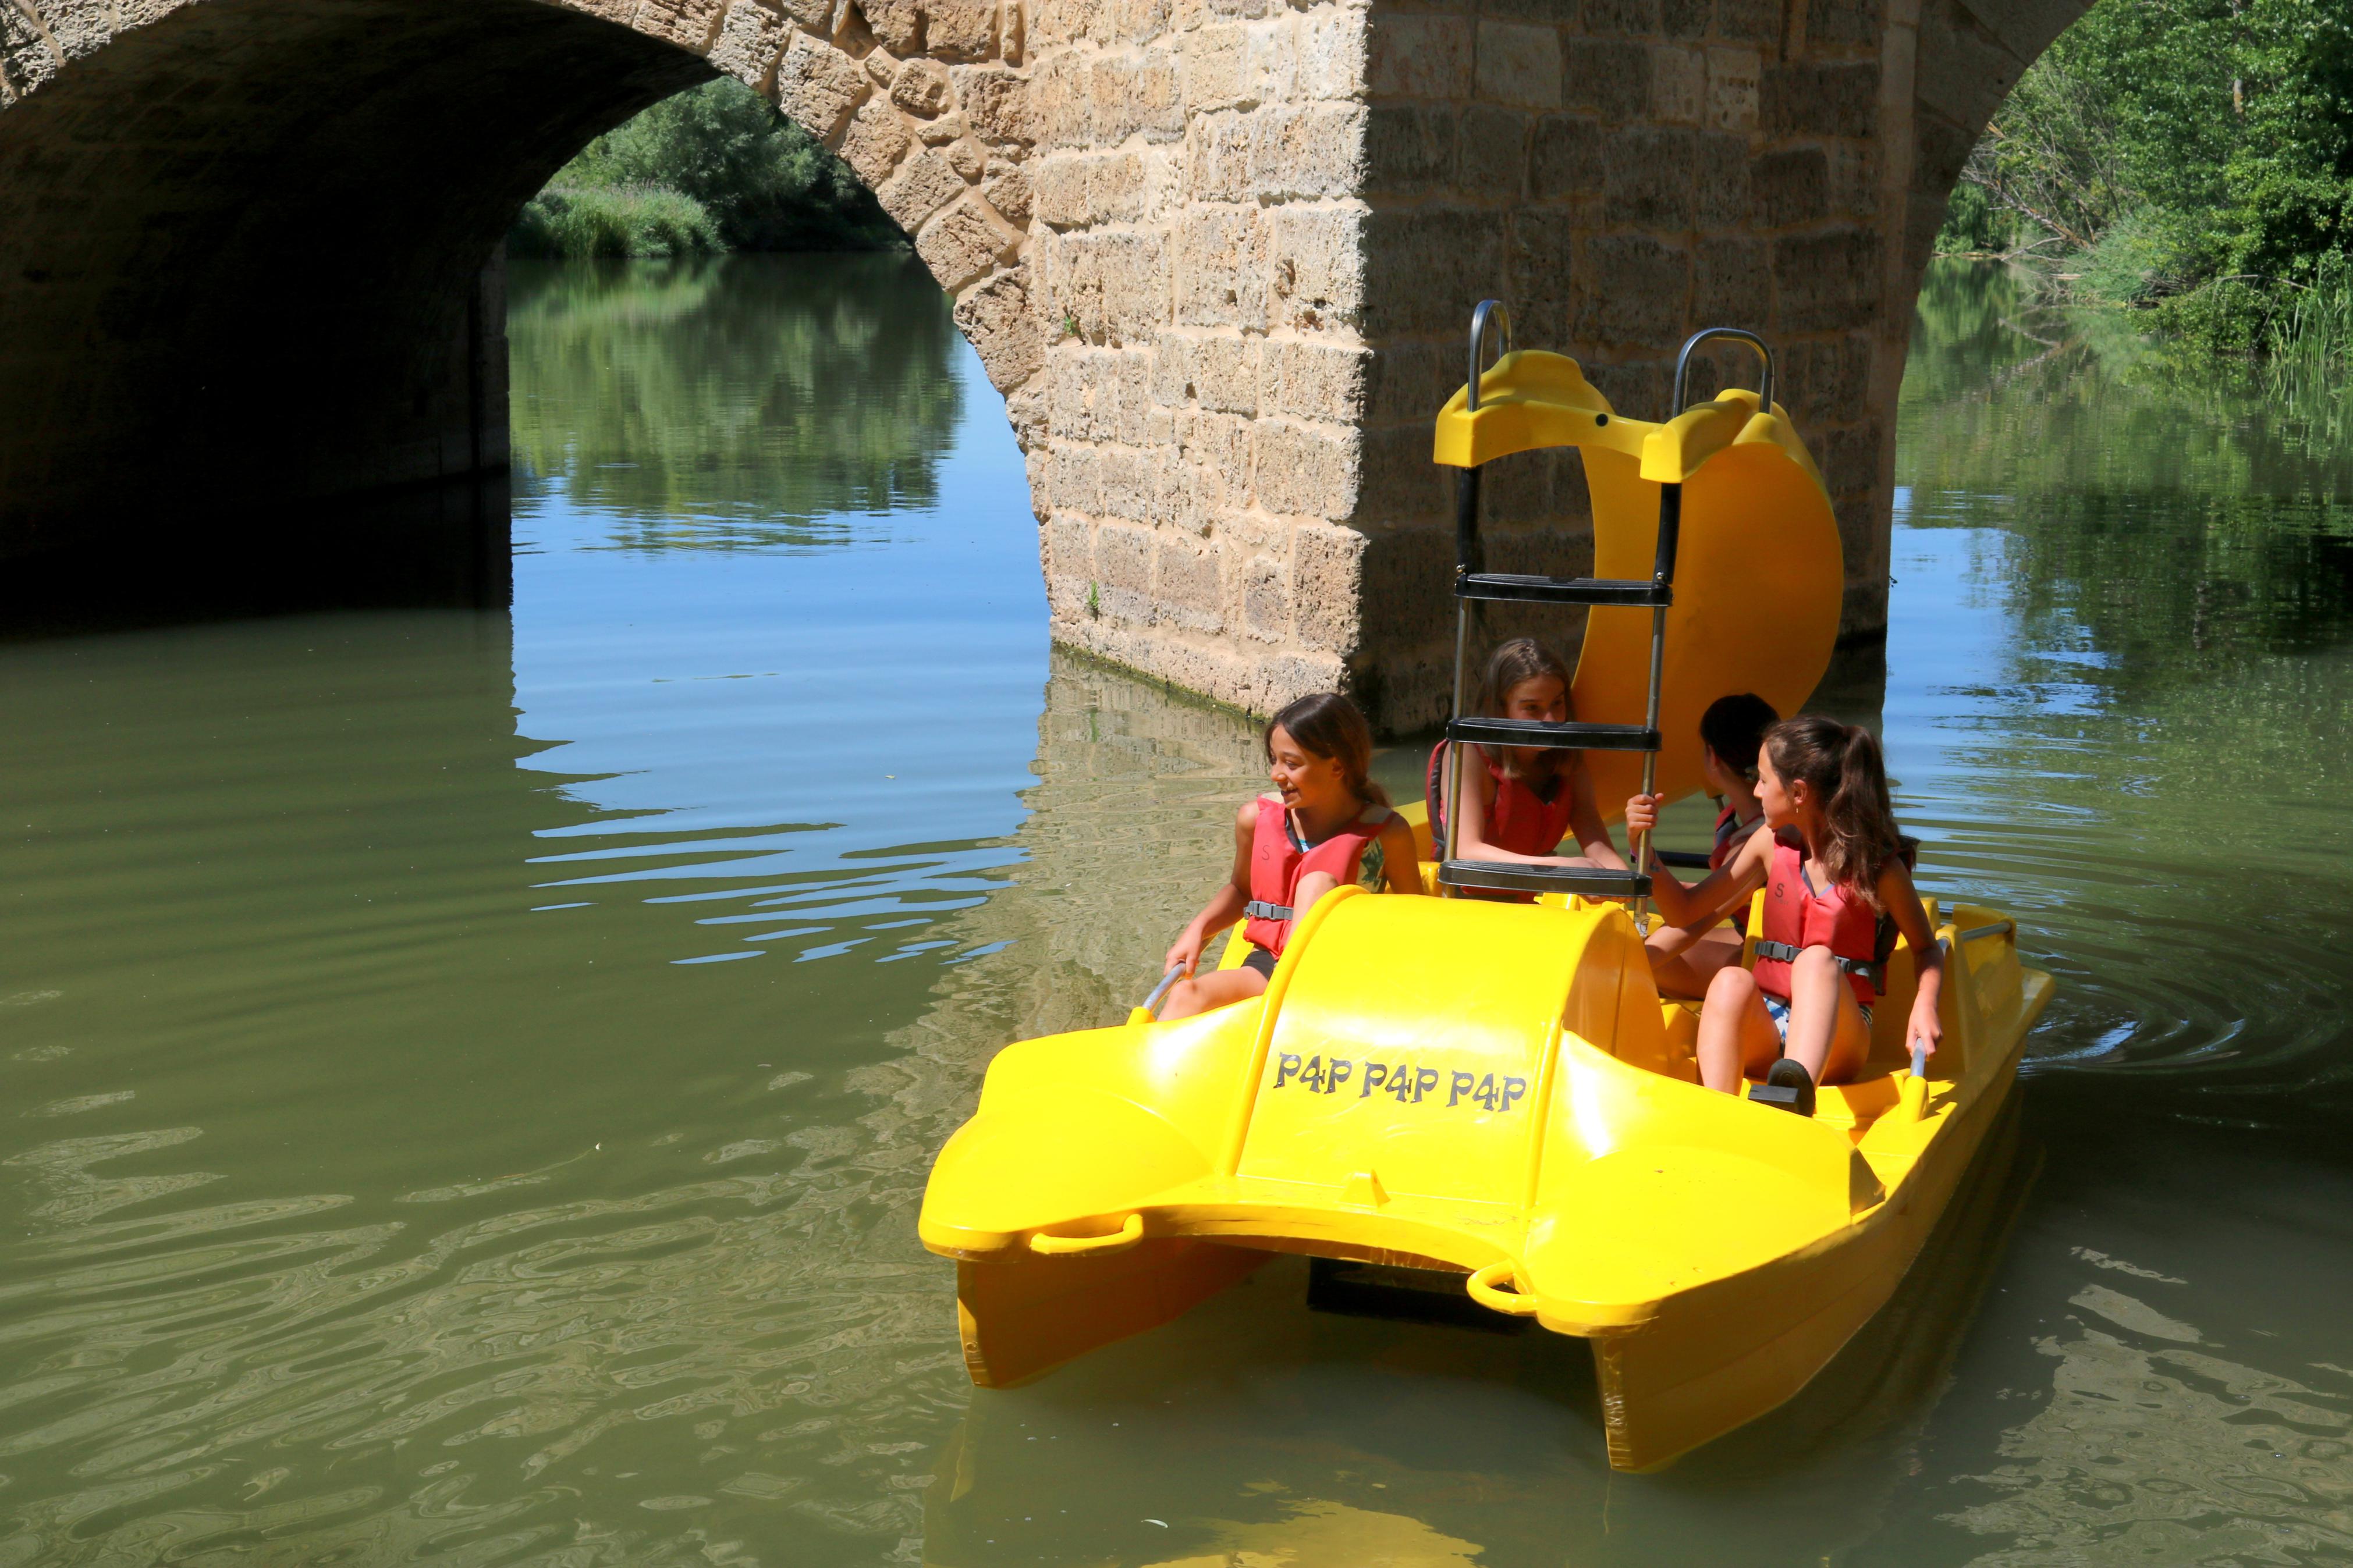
(1827, 1035)
(1312, 887)
(1211, 988)
(1690, 971)
(1735, 1032)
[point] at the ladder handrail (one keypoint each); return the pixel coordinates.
(1466, 538)
(1738, 334)
(1485, 312)
(1662, 574)
(1492, 313)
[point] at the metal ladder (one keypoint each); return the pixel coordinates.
(1656, 594)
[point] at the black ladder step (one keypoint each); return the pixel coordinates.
(1564, 590)
(1502, 876)
(1569, 737)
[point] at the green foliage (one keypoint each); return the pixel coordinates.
(2049, 162)
(2139, 258)
(761, 181)
(2194, 157)
(622, 220)
(1974, 225)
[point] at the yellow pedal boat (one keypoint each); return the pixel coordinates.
(1535, 1127)
(1529, 1116)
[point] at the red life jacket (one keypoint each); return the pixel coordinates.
(1521, 820)
(1729, 836)
(1795, 919)
(1278, 860)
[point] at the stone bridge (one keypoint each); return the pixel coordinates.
(1217, 254)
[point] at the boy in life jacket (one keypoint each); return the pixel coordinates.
(1325, 824)
(1519, 802)
(1831, 863)
(1683, 959)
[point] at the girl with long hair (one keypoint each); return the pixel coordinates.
(1832, 864)
(1520, 802)
(1326, 823)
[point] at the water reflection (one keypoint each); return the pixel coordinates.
(2117, 700)
(736, 402)
(2170, 516)
(388, 1171)
(397, 1175)
(2161, 1375)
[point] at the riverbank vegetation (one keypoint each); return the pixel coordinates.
(715, 168)
(2189, 160)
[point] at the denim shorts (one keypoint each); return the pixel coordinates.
(1779, 1006)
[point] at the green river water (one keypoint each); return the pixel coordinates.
(467, 1078)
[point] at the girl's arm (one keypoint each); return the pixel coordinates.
(1902, 902)
(1225, 906)
(1719, 892)
(1585, 819)
(1401, 861)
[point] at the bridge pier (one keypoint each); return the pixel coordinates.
(1263, 280)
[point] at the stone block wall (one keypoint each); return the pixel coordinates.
(1197, 245)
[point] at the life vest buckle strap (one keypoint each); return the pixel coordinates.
(1260, 910)
(1782, 952)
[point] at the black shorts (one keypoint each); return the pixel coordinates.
(1258, 958)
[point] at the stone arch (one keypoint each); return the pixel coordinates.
(242, 242)
(1217, 254)
(1968, 54)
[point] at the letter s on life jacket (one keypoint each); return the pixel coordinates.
(1278, 860)
(1795, 919)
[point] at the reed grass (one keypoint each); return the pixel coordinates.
(614, 220)
(2314, 326)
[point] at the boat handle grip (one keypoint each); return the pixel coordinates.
(1483, 1287)
(1152, 1003)
(1738, 334)
(1120, 1240)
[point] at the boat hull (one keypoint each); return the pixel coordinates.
(1721, 1356)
